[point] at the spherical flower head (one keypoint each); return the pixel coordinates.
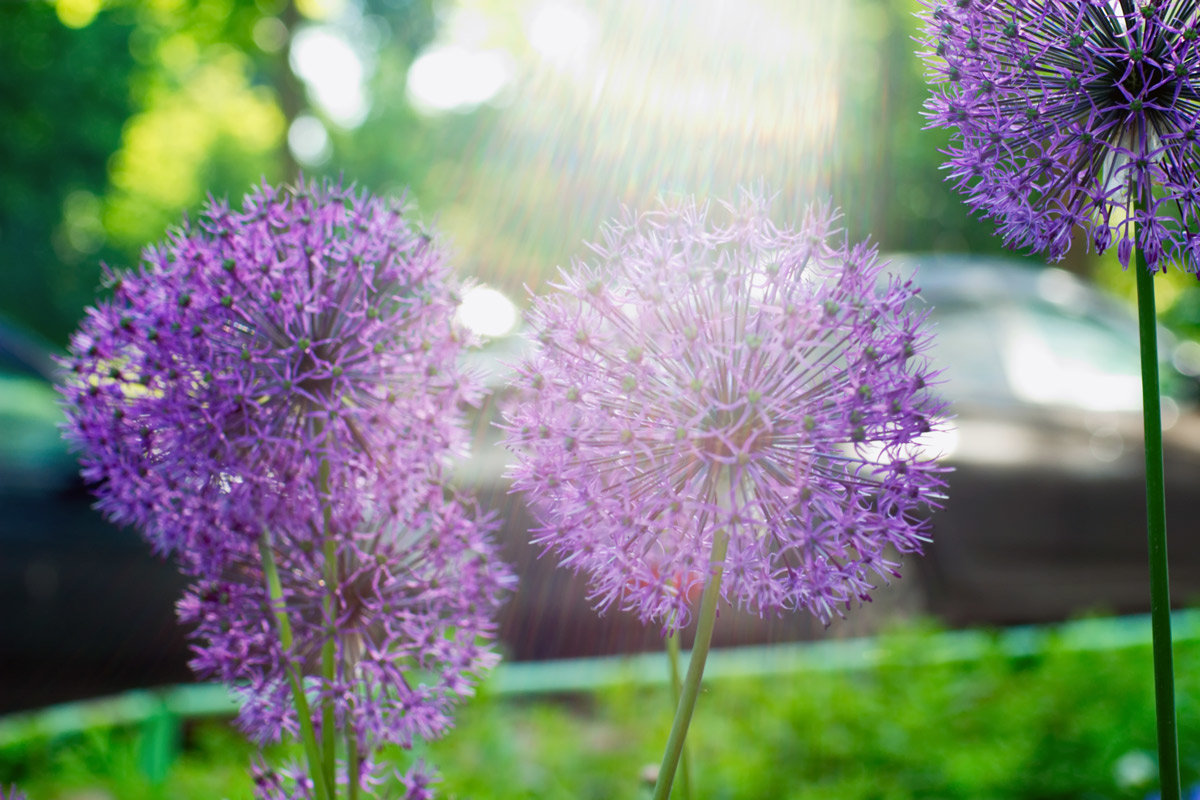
(265, 365)
(14, 793)
(704, 375)
(1069, 113)
(412, 621)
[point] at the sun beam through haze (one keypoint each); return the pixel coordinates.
(619, 102)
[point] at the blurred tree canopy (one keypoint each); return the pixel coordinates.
(120, 116)
(64, 98)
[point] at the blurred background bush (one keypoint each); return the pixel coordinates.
(519, 126)
(1056, 722)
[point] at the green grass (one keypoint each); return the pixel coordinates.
(1061, 722)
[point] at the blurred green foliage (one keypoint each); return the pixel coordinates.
(63, 100)
(121, 116)
(1060, 724)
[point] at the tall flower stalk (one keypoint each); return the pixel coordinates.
(1083, 114)
(722, 407)
(271, 397)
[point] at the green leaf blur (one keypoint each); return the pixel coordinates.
(1063, 723)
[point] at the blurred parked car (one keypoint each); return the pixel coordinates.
(1046, 512)
(85, 608)
(1045, 516)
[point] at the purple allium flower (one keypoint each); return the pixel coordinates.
(264, 367)
(293, 783)
(16, 794)
(1073, 112)
(418, 782)
(701, 376)
(412, 621)
(284, 377)
(289, 782)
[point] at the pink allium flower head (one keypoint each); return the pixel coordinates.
(699, 375)
(412, 621)
(1070, 113)
(310, 330)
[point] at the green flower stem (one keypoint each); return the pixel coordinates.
(307, 735)
(1156, 528)
(685, 779)
(352, 763)
(691, 685)
(329, 661)
(329, 646)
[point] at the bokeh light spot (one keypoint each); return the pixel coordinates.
(77, 13)
(562, 33)
(455, 78)
(487, 312)
(270, 34)
(334, 73)
(309, 141)
(320, 9)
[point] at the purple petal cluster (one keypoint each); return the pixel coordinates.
(709, 372)
(1070, 113)
(284, 376)
(411, 621)
(301, 345)
(292, 783)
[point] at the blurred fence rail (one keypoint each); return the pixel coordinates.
(160, 710)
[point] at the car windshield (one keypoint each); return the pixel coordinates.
(1041, 353)
(32, 456)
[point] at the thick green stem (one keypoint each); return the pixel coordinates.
(685, 778)
(691, 684)
(328, 607)
(1156, 528)
(307, 735)
(329, 649)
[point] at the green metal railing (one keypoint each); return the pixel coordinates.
(160, 712)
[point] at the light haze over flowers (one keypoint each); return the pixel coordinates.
(1070, 113)
(412, 622)
(310, 329)
(711, 370)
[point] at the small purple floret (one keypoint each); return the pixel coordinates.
(1068, 113)
(699, 374)
(412, 624)
(293, 783)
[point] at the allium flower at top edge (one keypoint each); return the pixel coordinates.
(308, 331)
(699, 375)
(1070, 113)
